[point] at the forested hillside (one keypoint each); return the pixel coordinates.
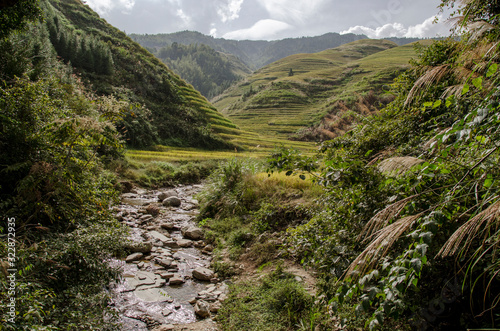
(209, 71)
(163, 109)
(254, 53)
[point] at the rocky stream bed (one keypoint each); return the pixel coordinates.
(166, 283)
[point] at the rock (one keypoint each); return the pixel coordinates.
(166, 275)
(134, 257)
(202, 273)
(124, 186)
(146, 218)
(153, 209)
(214, 307)
(192, 232)
(165, 327)
(184, 243)
(139, 247)
(176, 280)
(168, 226)
(171, 244)
(209, 248)
(172, 202)
(158, 236)
(167, 194)
(129, 196)
(192, 301)
(164, 262)
(165, 312)
(202, 309)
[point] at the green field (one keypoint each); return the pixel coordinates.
(273, 102)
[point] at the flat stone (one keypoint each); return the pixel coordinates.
(171, 244)
(165, 327)
(166, 275)
(165, 312)
(134, 257)
(158, 236)
(168, 226)
(152, 295)
(141, 278)
(146, 218)
(176, 280)
(202, 273)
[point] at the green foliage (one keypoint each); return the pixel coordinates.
(16, 16)
(385, 242)
(278, 302)
(209, 72)
(56, 141)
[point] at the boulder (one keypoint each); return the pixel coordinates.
(134, 257)
(202, 309)
(167, 194)
(172, 202)
(192, 232)
(202, 273)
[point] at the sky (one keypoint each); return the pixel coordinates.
(276, 19)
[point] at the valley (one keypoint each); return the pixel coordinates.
(330, 183)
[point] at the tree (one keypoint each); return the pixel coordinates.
(15, 15)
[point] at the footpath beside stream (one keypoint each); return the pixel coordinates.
(166, 283)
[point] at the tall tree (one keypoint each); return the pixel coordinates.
(15, 15)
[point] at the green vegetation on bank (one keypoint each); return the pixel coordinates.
(57, 146)
(405, 231)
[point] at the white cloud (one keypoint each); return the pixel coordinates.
(186, 19)
(263, 29)
(292, 10)
(102, 7)
(213, 32)
(427, 29)
(230, 10)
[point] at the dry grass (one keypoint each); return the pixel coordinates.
(380, 245)
(481, 225)
(395, 166)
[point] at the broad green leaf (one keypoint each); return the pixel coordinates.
(492, 70)
(465, 89)
(478, 82)
(436, 104)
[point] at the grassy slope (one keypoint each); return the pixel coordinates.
(282, 104)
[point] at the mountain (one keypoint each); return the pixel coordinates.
(209, 71)
(162, 108)
(255, 54)
(316, 96)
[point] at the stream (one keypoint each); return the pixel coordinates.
(166, 282)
